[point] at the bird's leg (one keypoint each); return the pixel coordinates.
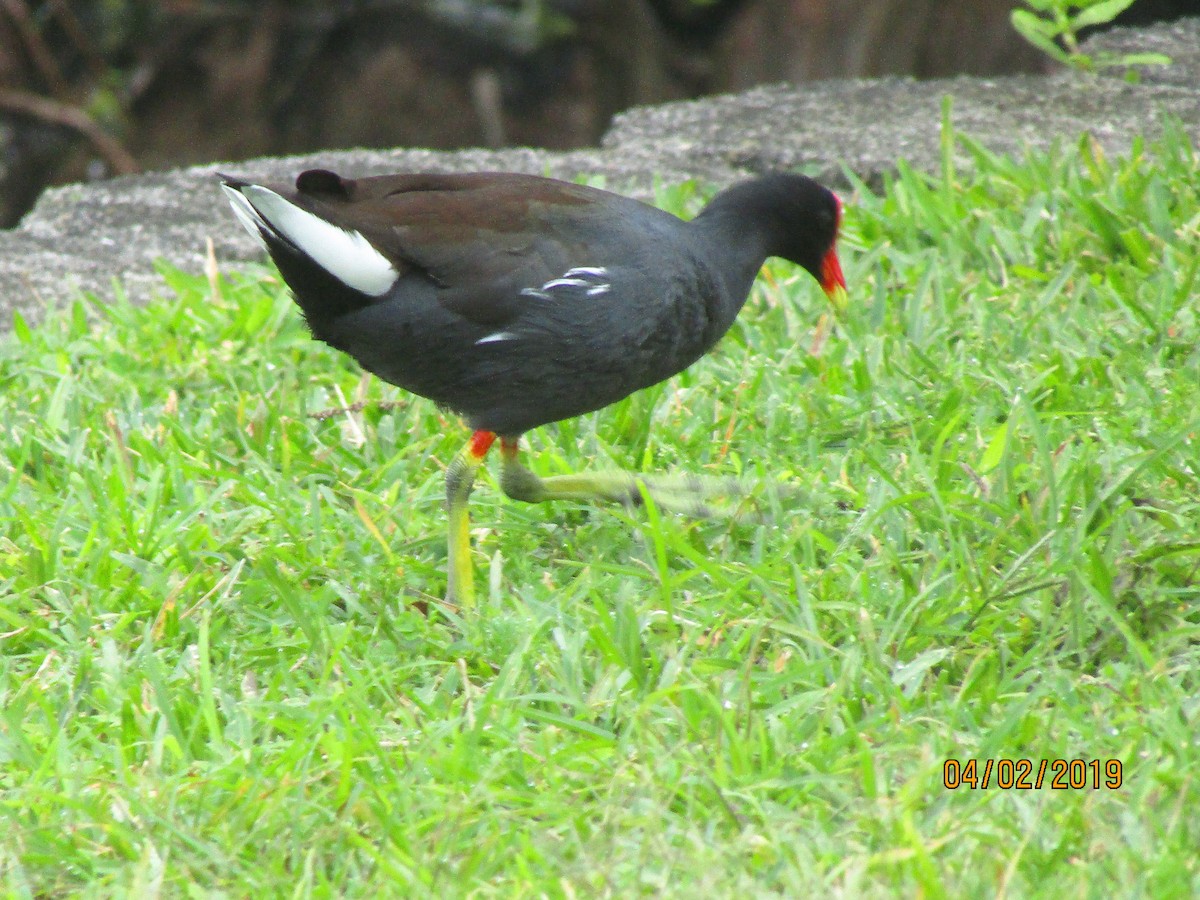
(686, 494)
(521, 484)
(460, 476)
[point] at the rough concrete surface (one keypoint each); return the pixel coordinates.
(87, 236)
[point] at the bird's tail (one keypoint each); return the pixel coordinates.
(332, 269)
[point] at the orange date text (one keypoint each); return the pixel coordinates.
(1033, 775)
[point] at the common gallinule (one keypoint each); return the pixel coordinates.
(518, 300)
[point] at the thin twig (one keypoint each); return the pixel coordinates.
(79, 37)
(47, 110)
(39, 53)
(323, 414)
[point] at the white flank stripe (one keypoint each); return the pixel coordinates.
(578, 277)
(496, 337)
(344, 254)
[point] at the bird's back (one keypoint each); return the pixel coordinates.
(513, 299)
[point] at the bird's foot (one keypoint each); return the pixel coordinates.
(698, 496)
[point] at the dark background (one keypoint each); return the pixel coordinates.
(99, 87)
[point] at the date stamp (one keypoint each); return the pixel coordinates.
(1033, 775)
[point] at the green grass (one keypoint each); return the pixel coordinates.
(224, 669)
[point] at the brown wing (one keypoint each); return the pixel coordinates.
(482, 238)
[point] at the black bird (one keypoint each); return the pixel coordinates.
(517, 300)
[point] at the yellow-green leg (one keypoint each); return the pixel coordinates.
(460, 476)
(688, 494)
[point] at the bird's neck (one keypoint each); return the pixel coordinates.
(735, 250)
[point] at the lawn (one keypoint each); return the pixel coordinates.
(225, 669)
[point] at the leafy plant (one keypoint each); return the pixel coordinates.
(1054, 27)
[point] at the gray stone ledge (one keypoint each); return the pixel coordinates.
(85, 237)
